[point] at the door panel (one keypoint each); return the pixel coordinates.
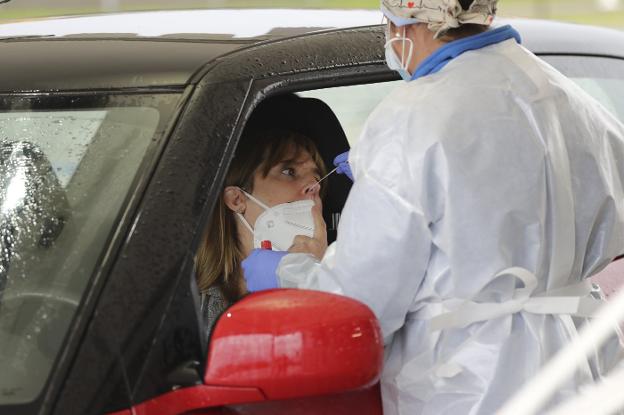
(363, 402)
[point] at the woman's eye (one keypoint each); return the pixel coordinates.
(289, 171)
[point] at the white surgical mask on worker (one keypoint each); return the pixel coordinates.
(393, 61)
(281, 223)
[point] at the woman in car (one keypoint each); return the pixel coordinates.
(271, 169)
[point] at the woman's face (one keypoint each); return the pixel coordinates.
(293, 178)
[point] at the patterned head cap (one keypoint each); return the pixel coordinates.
(440, 15)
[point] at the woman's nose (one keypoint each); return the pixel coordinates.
(312, 188)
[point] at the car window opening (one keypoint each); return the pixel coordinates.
(283, 127)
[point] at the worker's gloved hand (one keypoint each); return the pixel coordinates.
(259, 269)
(342, 162)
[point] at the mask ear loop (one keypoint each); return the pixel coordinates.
(256, 201)
(242, 218)
(245, 223)
(406, 62)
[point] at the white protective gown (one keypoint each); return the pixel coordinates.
(496, 161)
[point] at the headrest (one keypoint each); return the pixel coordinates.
(315, 119)
(33, 204)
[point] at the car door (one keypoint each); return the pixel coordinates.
(142, 339)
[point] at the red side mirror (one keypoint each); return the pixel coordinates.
(295, 343)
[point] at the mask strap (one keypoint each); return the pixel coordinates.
(245, 223)
(404, 62)
(403, 49)
(242, 218)
(256, 201)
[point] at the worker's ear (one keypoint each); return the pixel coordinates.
(235, 199)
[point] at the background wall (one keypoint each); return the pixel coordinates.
(598, 12)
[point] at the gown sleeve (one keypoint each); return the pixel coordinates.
(380, 257)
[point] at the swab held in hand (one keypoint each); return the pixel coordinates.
(318, 183)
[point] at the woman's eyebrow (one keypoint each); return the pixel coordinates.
(294, 162)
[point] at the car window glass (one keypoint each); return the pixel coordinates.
(602, 78)
(66, 167)
(63, 136)
(353, 104)
(601, 90)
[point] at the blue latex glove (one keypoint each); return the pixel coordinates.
(342, 162)
(259, 269)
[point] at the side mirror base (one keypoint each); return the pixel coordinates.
(194, 398)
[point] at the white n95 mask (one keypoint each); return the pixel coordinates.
(281, 223)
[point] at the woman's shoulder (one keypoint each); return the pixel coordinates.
(213, 301)
(213, 290)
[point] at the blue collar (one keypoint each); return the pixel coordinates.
(450, 51)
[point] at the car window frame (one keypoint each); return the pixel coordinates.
(233, 86)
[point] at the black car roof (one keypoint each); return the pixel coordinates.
(92, 61)
(85, 64)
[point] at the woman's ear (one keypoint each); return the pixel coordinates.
(234, 199)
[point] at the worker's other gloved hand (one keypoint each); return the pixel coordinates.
(342, 162)
(259, 269)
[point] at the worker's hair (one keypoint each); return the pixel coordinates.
(466, 4)
(218, 260)
(466, 29)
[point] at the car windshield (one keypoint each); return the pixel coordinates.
(67, 166)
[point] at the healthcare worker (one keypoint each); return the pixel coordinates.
(486, 191)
